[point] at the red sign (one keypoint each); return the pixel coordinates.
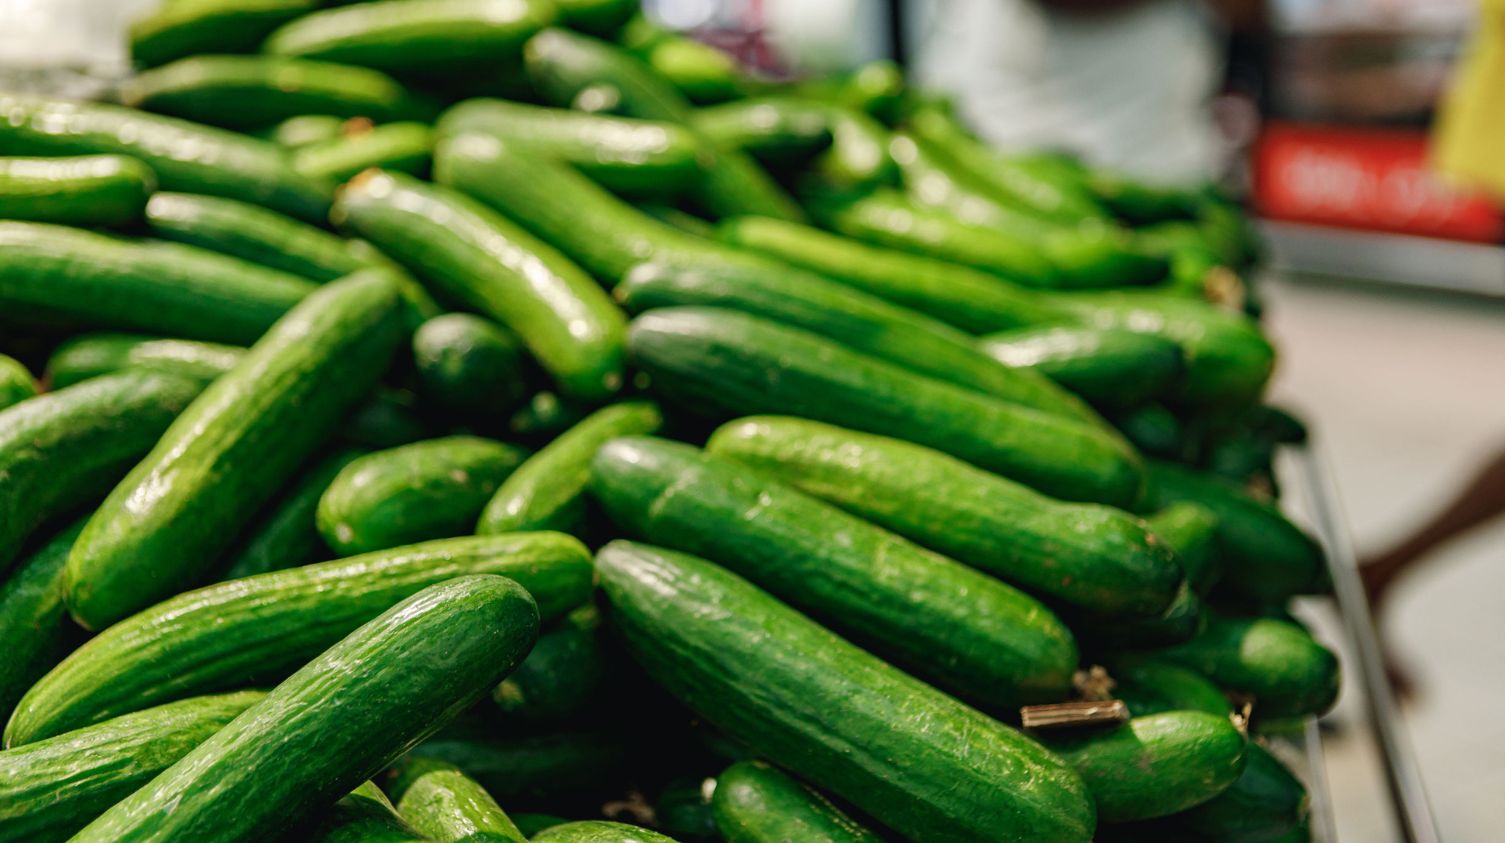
(1373, 179)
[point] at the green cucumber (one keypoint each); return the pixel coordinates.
(16, 382)
(537, 766)
(683, 810)
(1275, 661)
(603, 18)
(1141, 202)
(306, 129)
(339, 720)
(531, 824)
(469, 366)
(56, 273)
(562, 676)
(449, 807)
(1190, 530)
(932, 769)
(639, 157)
(599, 831)
(427, 490)
(248, 92)
(1265, 802)
(85, 190)
(285, 533)
(162, 528)
(64, 449)
(34, 630)
(773, 128)
(413, 35)
(703, 73)
(1155, 765)
(932, 179)
(363, 816)
(875, 87)
(397, 147)
(969, 633)
(233, 632)
(1151, 685)
(547, 415)
(681, 219)
(187, 27)
(755, 803)
(50, 789)
(185, 156)
(858, 158)
(547, 492)
(1180, 621)
(733, 364)
(1091, 557)
(1155, 431)
(473, 255)
(1110, 368)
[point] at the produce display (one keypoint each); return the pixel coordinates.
(507, 420)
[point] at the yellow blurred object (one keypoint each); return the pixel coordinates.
(1470, 134)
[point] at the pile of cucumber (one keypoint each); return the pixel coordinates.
(506, 420)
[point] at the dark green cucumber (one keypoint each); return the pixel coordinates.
(968, 632)
(52, 788)
(703, 73)
(755, 803)
(773, 128)
(471, 254)
(1110, 368)
(16, 382)
(55, 273)
(1155, 431)
(538, 766)
(306, 129)
(397, 147)
(1151, 685)
(640, 157)
(86, 190)
(546, 415)
(248, 92)
(875, 87)
(547, 492)
(1265, 802)
(167, 522)
(1155, 765)
(679, 218)
(188, 27)
(683, 811)
(531, 824)
(733, 364)
(34, 630)
(234, 632)
(285, 533)
(865, 323)
(562, 676)
(185, 156)
(858, 158)
(1092, 557)
(363, 816)
(599, 831)
(1264, 555)
(469, 366)
(447, 806)
(1180, 621)
(932, 769)
(413, 35)
(427, 490)
(597, 17)
(1191, 530)
(1277, 662)
(63, 449)
(1141, 202)
(339, 720)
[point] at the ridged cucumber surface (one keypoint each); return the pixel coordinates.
(35, 633)
(362, 816)
(469, 366)
(396, 147)
(563, 674)
(447, 806)
(755, 803)
(599, 831)
(85, 190)
(1265, 802)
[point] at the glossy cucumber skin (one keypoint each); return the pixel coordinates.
(599, 831)
(1157, 764)
(699, 71)
(449, 807)
(755, 803)
(413, 35)
(1191, 530)
(1277, 662)
(858, 158)
(1151, 685)
(161, 529)
(285, 533)
(935, 770)
(535, 766)
(969, 633)
(396, 147)
(1113, 369)
(339, 720)
(34, 630)
(640, 157)
(432, 489)
(1092, 557)
(733, 364)
(190, 27)
(771, 127)
(547, 492)
(82, 278)
(469, 365)
(52, 788)
(87, 190)
(562, 675)
(932, 179)
(16, 382)
(1265, 802)
(65, 448)
(248, 92)
(471, 254)
(362, 816)
(234, 632)
(185, 156)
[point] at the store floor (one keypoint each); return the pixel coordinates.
(1407, 392)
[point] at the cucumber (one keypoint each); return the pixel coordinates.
(933, 769)
(469, 366)
(875, 87)
(16, 382)
(1155, 765)
(538, 766)
(396, 147)
(599, 831)
(1180, 621)
(285, 533)
(1110, 368)
(306, 129)
(64, 449)
(1265, 556)
(340, 719)
(471, 254)
(531, 824)
(547, 492)
(755, 803)
(597, 17)
(1265, 802)
(162, 528)
(186, 27)
(427, 490)
(698, 70)
(931, 179)
(234, 632)
(546, 415)
(54, 273)
(1155, 431)
(726, 362)
(969, 633)
(562, 675)
(185, 156)
(1275, 661)
(449, 807)
(413, 35)
(1190, 530)
(858, 158)
(774, 128)
(638, 157)
(34, 629)
(1090, 557)
(248, 92)
(683, 810)
(363, 816)
(1150, 685)
(85, 190)
(680, 219)
(50, 789)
